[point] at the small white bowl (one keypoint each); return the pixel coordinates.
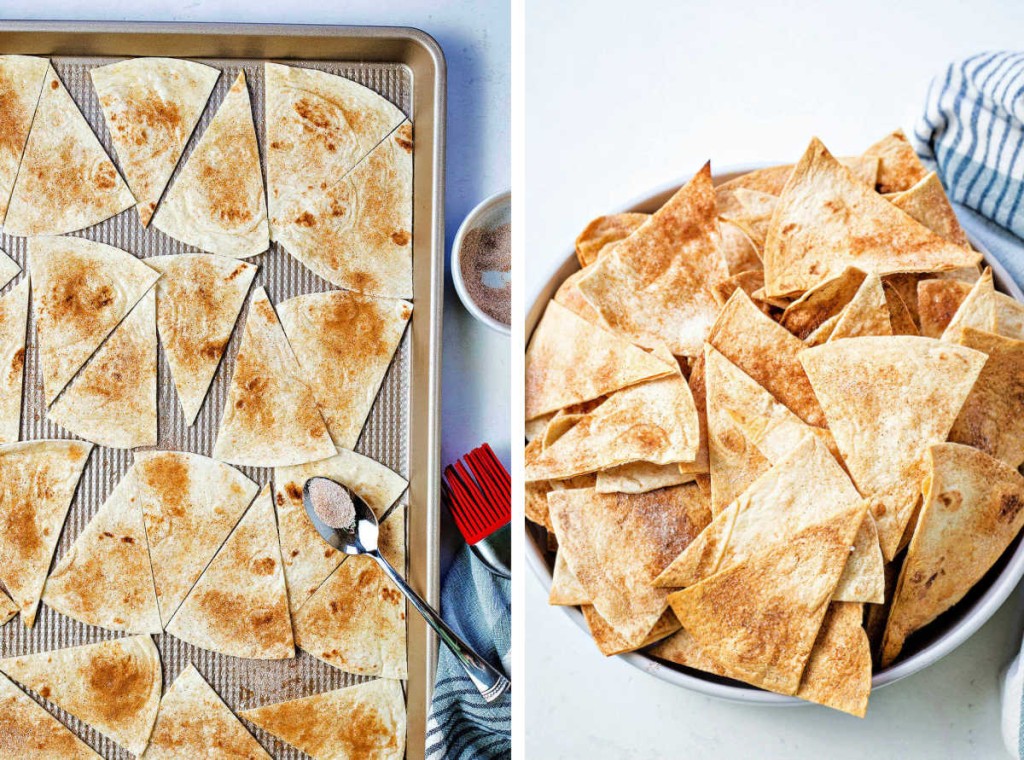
(490, 213)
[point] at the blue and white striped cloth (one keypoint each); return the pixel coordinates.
(477, 605)
(972, 133)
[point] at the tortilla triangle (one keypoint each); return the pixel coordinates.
(899, 168)
(990, 419)
(927, 203)
(13, 329)
(570, 360)
(616, 544)
(270, 418)
(759, 619)
(937, 302)
(821, 303)
(355, 621)
(977, 310)
(239, 606)
(772, 179)
(357, 233)
(601, 234)
(611, 643)
(37, 483)
(193, 721)
(112, 401)
(28, 730)
(189, 504)
(105, 578)
(114, 686)
(151, 106)
(21, 82)
(344, 343)
(318, 127)
(866, 314)
(903, 394)
(902, 319)
(768, 353)
(365, 720)
(656, 286)
(1009, 317)
(81, 290)
(198, 299)
(838, 672)
(640, 477)
(565, 587)
(217, 203)
(654, 422)
(750, 210)
(973, 508)
(307, 560)
(827, 221)
(66, 182)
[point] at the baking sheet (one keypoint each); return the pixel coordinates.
(387, 437)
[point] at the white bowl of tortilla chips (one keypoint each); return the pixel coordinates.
(840, 675)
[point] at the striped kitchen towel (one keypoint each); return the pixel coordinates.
(477, 605)
(972, 133)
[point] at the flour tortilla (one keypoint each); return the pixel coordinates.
(611, 643)
(749, 282)
(738, 249)
(189, 504)
(821, 303)
(571, 297)
(21, 81)
(198, 299)
(239, 606)
(112, 401)
(653, 422)
(973, 508)
(28, 730)
(113, 686)
(759, 619)
(308, 561)
(601, 234)
(217, 203)
(81, 290)
(927, 203)
(899, 168)
(357, 233)
(768, 353)
(318, 127)
(565, 587)
(351, 723)
(655, 287)
(570, 361)
(344, 343)
(838, 672)
(616, 544)
(640, 477)
(355, 621)
(1009, 316)
(13, 328)
(774, 508)
(66, 182)
(270, 418)
(977, 310)
(750, 209)
(827, 221)
(773, 179)
(151, 106)
(105, 579)
(887, 400)
(991, 419)
(866, 314)
(194, 722)
(937, 302)
(901, 317)
(37, 483)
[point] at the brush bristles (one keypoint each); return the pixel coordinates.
(478, 490)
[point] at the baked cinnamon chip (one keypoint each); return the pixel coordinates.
(977, 310)
(866, 314)
(738, 249)
(28, 730)
(601, 234)
(927, 203)
(838, 672)
(611, 643)
(822, 302)
(773, 179)
(937, 302)
(899, 168)
(901, 317)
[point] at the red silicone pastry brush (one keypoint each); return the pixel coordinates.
(478, 491)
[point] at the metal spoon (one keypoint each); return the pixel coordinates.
(361, 538)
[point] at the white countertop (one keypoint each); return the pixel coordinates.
(625, 98)
(475, 40)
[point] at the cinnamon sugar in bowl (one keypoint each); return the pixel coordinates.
(481, 262)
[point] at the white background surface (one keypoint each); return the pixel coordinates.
(622, 98)
(475, 38)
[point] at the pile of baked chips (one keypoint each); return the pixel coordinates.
(775, 427)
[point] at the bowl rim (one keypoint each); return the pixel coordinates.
(976, 616)
(472, 218)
